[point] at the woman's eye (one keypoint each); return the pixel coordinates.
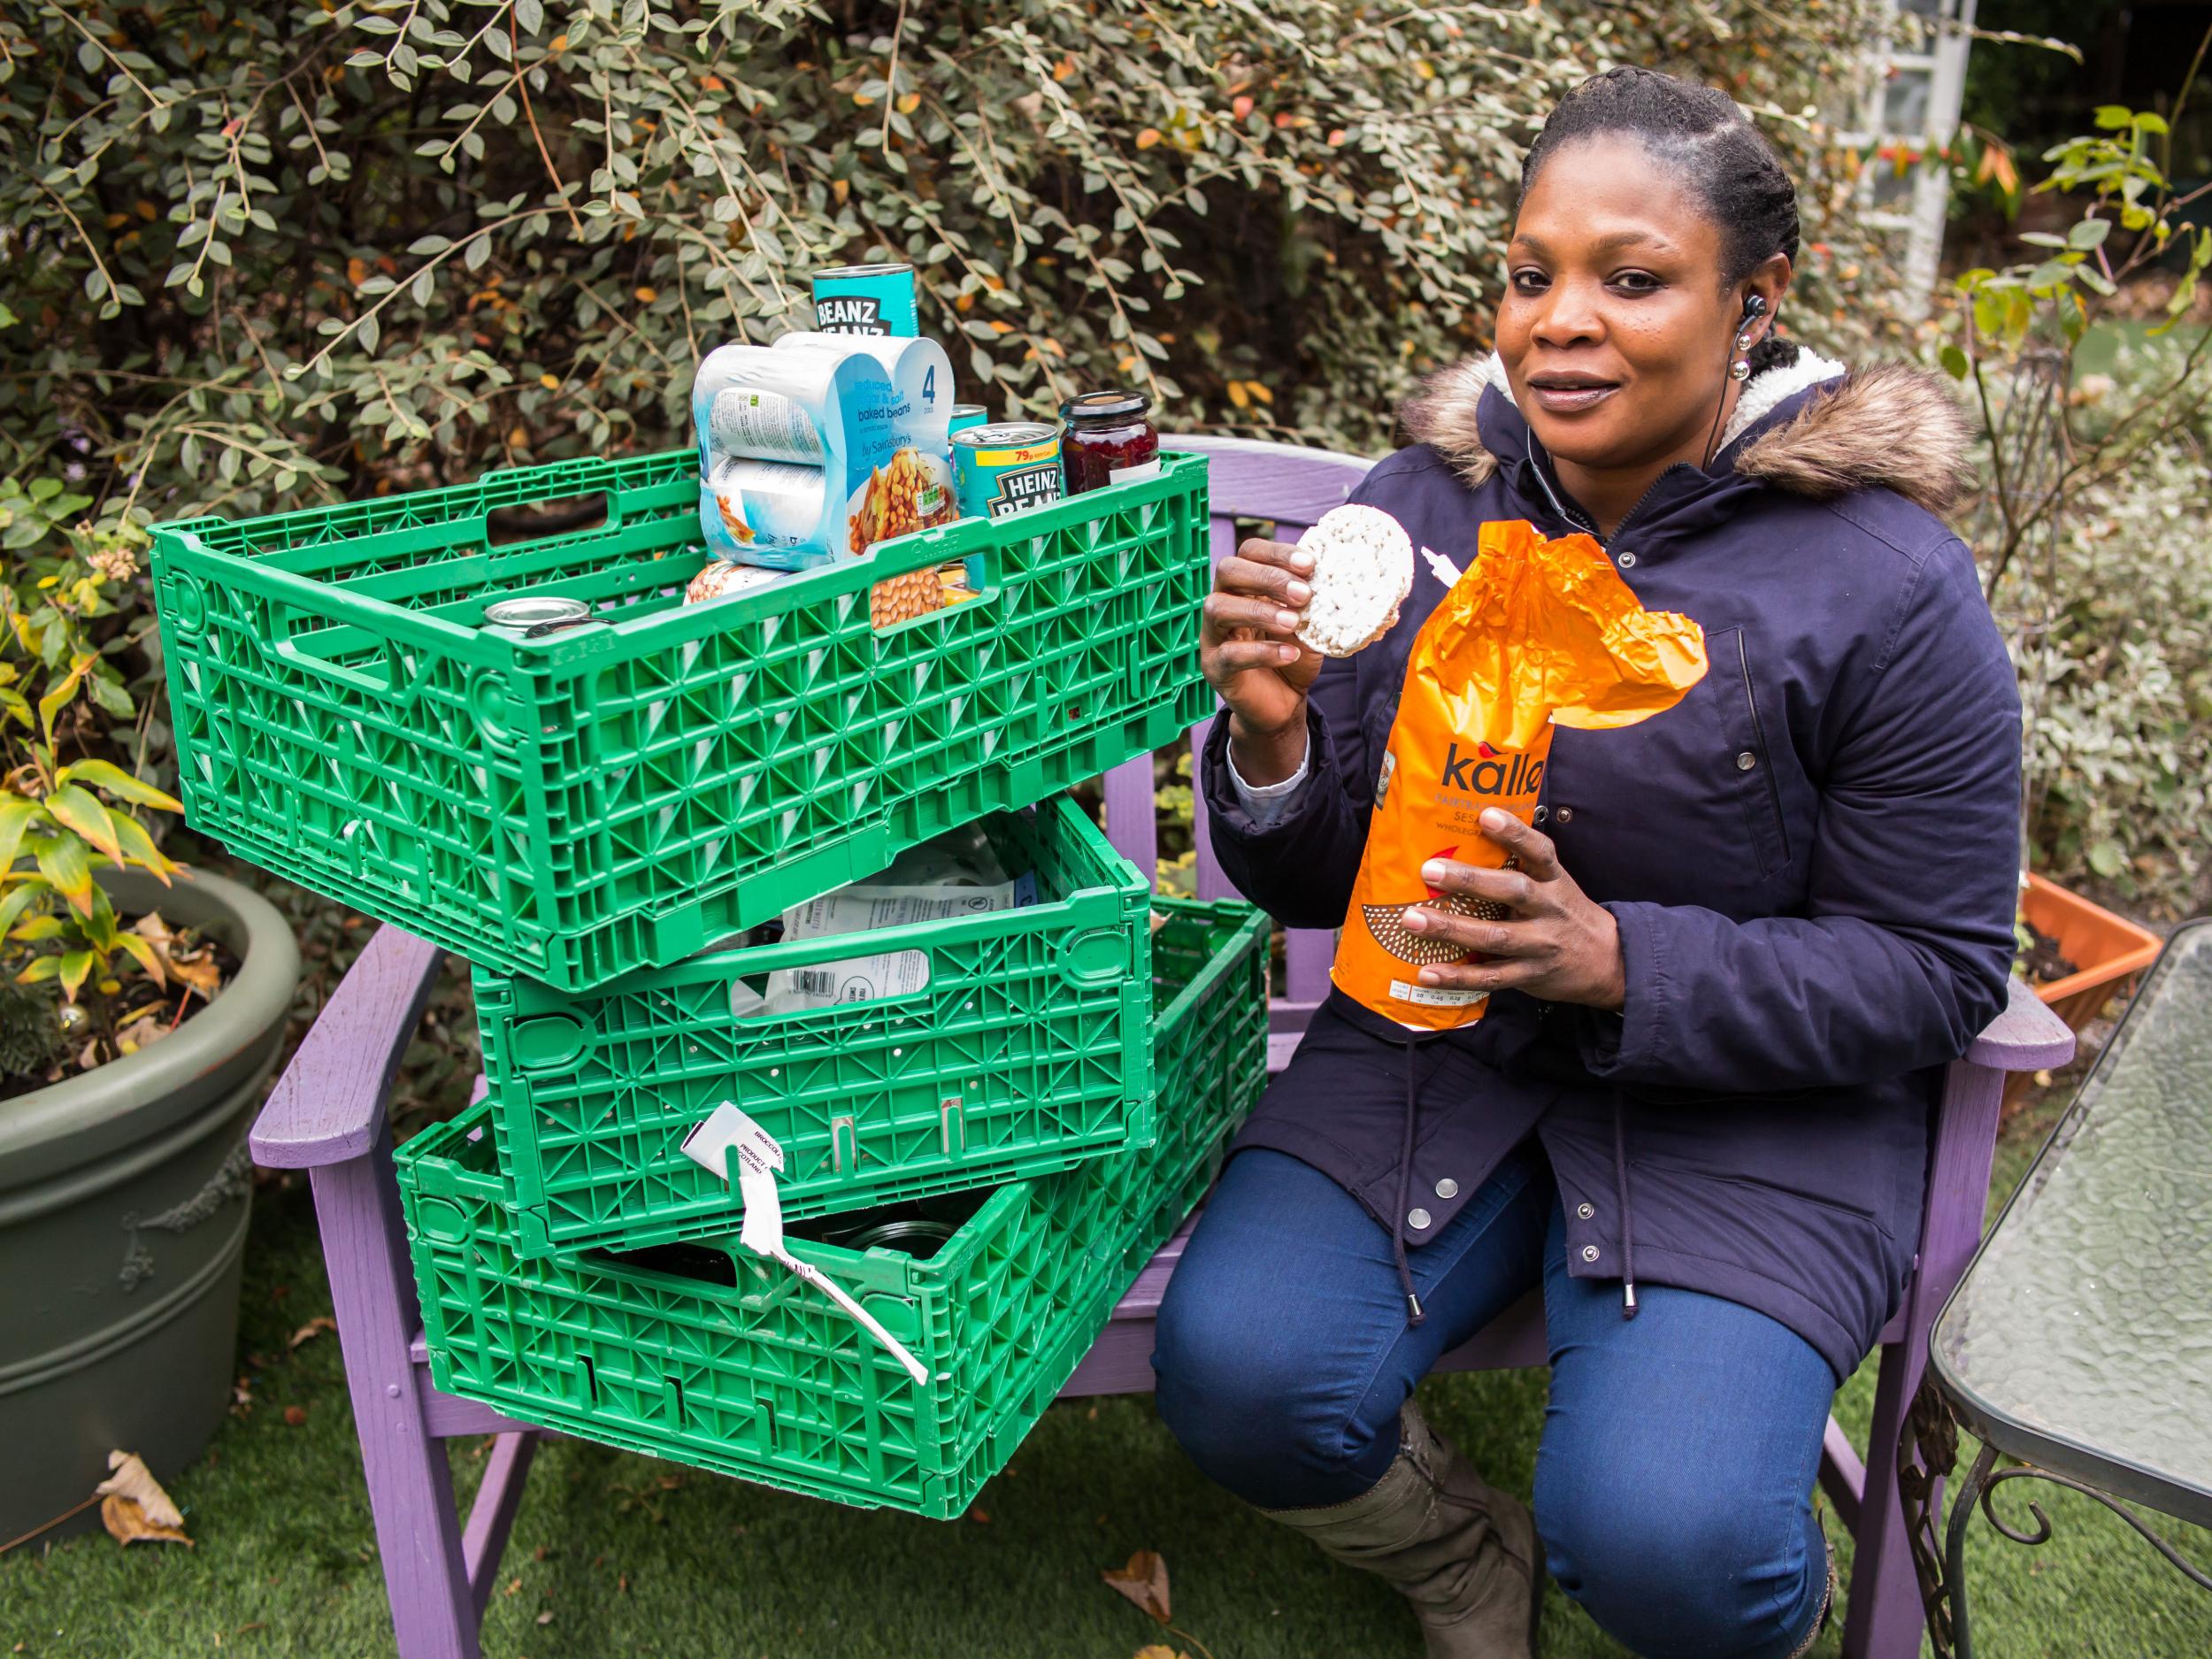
(1530, 282)
(1637, 282)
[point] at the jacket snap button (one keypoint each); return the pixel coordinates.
(1447, 1188)
(1589, 1252)
(1746, 760)
(1419, 1220)
(1628, 561)
(1584, 1211)
(1566, 815)
(1540, 814)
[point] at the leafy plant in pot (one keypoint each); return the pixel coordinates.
(141, 1008)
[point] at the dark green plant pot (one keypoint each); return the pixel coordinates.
(124, 1194)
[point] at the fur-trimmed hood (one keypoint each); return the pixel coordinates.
(1815, 427)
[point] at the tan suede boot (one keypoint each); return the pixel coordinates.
(1462, 1552)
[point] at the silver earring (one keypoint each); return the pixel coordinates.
(1741, 369)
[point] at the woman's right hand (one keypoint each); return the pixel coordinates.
(1250, 653)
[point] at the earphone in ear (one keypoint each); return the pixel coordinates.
(1754, 308)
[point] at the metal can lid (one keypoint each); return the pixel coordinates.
(528, 609)
(1009, 434)
(959, 410)
(915, 1237)
(889, 268)
(1110, 405)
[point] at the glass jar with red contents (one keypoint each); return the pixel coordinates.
(1110, 439)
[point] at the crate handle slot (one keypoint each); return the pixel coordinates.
(386, 685)
(525, 522)
(960, 542)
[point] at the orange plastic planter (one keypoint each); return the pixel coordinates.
(2104, 950)
(2108, 951)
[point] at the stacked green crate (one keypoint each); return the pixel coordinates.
(704, 1353)
(585, 813)
(621, 794)
(1027, 1049)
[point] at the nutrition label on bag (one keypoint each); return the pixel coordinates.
(764, 426)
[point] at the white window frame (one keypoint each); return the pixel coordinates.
(1940, 55)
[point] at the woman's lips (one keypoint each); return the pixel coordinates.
(1572, 398)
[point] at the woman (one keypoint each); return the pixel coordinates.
(1743, 940)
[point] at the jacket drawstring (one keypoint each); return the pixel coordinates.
(1620, 1193)
(1414, 1316)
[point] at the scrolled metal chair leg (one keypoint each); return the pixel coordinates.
(1927, 1452)
(1954, 1549)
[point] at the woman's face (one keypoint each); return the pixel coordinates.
(1616, 331)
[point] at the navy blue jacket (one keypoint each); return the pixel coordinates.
(1812, 859)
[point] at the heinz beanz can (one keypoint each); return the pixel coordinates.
(865, 299)
(1008, 467)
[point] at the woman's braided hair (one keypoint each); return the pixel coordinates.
(1725, 162)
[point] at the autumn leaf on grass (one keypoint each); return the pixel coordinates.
(133, 1506)
(313, 1329)
(1144, 1581)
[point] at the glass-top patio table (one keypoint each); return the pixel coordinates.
(2079, 1340)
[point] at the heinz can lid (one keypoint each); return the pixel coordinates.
(890, 268)
(522, 612)
(1009, 434)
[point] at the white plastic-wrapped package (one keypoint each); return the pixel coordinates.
(955, 873)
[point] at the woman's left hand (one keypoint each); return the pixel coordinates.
(1555, 942)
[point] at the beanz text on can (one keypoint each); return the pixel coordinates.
(866, 299)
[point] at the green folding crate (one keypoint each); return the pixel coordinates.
(702, 1353)
(620, 795)
(1028, 1050)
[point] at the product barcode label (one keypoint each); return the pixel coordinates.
(816, 981)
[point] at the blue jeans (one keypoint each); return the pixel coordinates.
(1674, 1478)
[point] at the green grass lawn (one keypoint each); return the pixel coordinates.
(616, 1553)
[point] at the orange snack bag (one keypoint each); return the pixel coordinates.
(1537, 633)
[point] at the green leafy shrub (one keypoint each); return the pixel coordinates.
(273, 253)
(2090, 514)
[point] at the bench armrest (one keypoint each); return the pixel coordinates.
(2026, 1037)
(329, 1105)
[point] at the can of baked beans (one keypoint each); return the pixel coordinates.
(769, 511)
(967, 415)
(865, 299)
(1007, 466)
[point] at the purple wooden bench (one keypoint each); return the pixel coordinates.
(327, 1116)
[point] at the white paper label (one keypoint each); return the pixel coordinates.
(1434, 996)
(1130, 474)
(724, 1131)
